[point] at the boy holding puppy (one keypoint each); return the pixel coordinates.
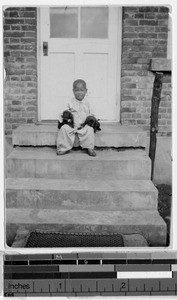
(80, 110)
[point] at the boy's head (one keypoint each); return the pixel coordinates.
(79, 89)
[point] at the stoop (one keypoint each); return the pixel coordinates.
(111, 192)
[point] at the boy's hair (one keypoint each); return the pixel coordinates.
(79, 81)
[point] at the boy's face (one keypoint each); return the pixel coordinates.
(79, 91)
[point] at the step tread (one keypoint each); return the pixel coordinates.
(91, 185)
(51, 216)
(106, 127)
(50, 153)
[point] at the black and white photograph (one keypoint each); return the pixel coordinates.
(88, 126)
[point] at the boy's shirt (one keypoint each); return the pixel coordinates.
(80, 110)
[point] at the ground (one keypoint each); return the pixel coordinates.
(164, 205)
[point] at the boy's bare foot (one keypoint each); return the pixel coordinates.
(61, 152)
(91, 152)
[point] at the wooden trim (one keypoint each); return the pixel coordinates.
(160, 65)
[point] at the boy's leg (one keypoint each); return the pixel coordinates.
(87, 139)
(65, 139)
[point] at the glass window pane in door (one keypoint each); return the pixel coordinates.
(94, 22)
(64, 22)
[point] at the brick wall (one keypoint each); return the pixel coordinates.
(144, 36)
(20, 62)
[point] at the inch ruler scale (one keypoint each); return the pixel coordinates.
(90, 274)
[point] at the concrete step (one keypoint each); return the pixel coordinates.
(94, 195)
(108, 164)
(111, 135)
(147, 223)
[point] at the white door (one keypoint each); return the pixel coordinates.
(79, 42)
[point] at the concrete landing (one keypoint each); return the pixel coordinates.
(112, 135)
(107, 165)
(95, 195)
(147, 223)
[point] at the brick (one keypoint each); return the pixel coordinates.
(28, 40)
(164, 9)
(6, 14)
(126, 115)
(148, 29)
(32, 102)
(15, 108)
(14, 40)
(148, 35)
(163, 36)
(149, 15)
(162, 122)
(31, 34)
(166, 79)
(6, 41)
(141, 121)
(128, 98)
(14, 21)
(31, 84)
(132, 60)
(27, 14)
(13, 14)
(30, 47)
(127, 42)
(15, 78)
(148, 9)
(28, 27)
(136, 116)
(159, 54)
(148, 22)
(31, 108)
(130, 35)
(16, 120)
(138, 42)
(14, 34)
(27, 78)
(139, 16)
(16, 102)
(129, 85)
(162, 16)
(130, 9)
(143, 61)
(130, 22)
(161, 29)
(163, 22)
(30, 21)
(128, 109)
(28, 53)
(6, 27)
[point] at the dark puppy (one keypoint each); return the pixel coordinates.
(92, 122)
(67, 119)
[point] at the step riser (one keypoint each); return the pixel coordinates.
(124, 169)
(155, 235)
(89, 200)
(102, 139)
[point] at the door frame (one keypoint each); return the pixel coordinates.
(118, 63)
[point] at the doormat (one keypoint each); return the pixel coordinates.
(44, 239)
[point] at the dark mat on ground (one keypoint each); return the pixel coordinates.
(44, 239)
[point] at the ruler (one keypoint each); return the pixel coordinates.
(90, 274)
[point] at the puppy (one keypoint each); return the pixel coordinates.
(67, 119)
(92, 122)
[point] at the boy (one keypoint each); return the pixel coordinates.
(80, 109)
